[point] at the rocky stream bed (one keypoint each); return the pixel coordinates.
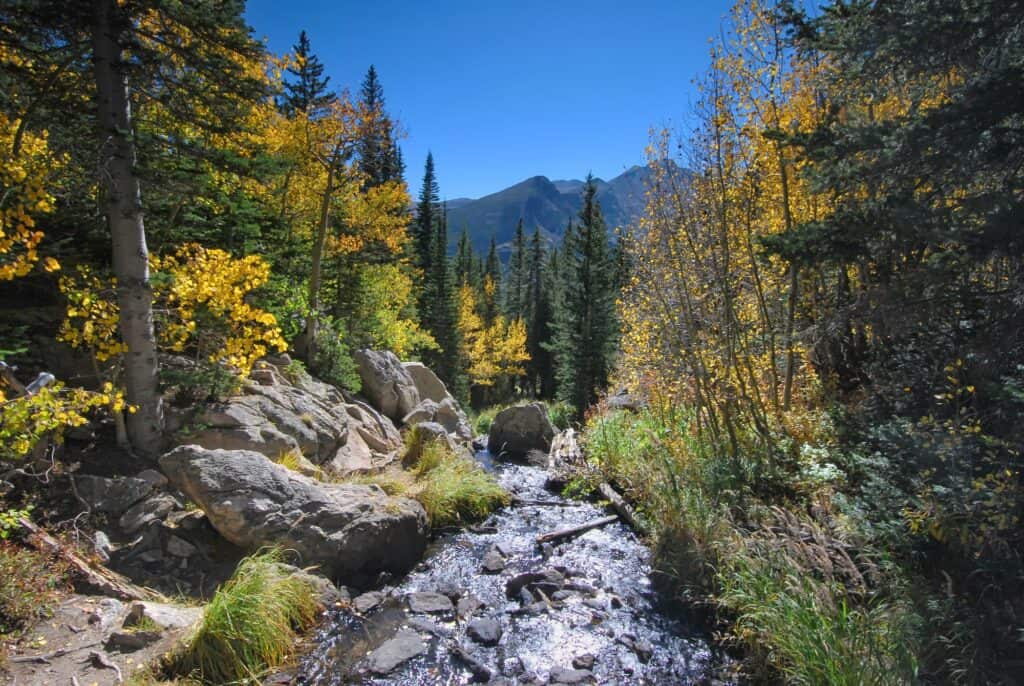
(490, 605)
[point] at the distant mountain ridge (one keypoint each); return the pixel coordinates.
(547, 205)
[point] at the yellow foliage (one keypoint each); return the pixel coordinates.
(23, 196)
(494, 351)
(201, 306)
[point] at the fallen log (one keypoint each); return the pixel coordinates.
(96, 578)
(573, 531)
(619, 504)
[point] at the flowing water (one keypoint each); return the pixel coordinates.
(594, 606)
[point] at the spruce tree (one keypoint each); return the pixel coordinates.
(492, 274)
(538, 317)
(464, 260)
(307, 91)
(516, 282)
(379, 155)
(584, 322)
(427, 212)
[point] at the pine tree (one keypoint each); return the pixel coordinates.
(584, 323)
(516, 282)
(464, 260)
(491, 284)
(379, 155)
(538, 316)
(307, 92)
(427, 212)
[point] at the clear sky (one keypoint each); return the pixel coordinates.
(501, 91)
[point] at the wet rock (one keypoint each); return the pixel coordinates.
(517, 583)
(493, 562)
(561, 595)
(525, 597)
(386, 383)
(106, 613)
(346, 529)
(485, 631)
(429, 602)
(644, 650)
(512, 666)
(481, 673)
(468, 605)
(130, 641)
(428, 627)
(404, 646)
(111, 496)
(615, 602)
(148, 511)
(584, 661)
(596, 603)
(517, 430)
(564, 460)
(449, 588)
(561, 675)
(152, 477)
(367, 601)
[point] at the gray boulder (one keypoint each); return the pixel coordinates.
(427, 384)
(517, 430)
(349, 531)
(111, 496)
(422, 434)
(386, 383)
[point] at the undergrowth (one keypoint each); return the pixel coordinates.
(250, 624)
(807, 597)
(31, 585)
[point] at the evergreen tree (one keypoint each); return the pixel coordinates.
(584, 323)
(307, 91)
(464, 260)
(517, 281)
(379, 155)
(538, 316)
(427, 211)
(491, 284)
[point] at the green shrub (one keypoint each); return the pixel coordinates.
(333, 361)
(562, 414)
(485, 417)
(31, 585)
(250, 624)
(452, 488)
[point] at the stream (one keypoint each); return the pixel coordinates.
(582, 610)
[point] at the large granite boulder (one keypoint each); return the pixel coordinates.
(387, 384)
(518, 430)
(427, 384)
(274, 415)
(351, 532)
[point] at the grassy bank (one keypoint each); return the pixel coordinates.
(761, 540)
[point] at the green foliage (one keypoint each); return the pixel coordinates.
(453, 488)
(561, 414)
(483, 419)
(200, 382)
(250, 624)
(9, 520)
(31, 585)
(333, 361)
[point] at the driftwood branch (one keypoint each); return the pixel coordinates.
(97, 578)
(619, 504)
(574, 531)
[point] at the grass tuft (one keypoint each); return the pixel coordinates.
(454, 489)
(250, 624)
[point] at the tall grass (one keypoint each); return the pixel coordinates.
(796, 599)
(250, 624)
(453, 488)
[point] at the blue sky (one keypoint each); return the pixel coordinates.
(504, 91)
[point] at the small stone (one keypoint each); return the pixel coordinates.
(561, 675)
(428, 627)
(595, 603)
(429, 602)
(179, 547)
(367, 601)
(616, 602)
(512, 666)
(149, 510)
(584, 661)
(547, 550)
(467, 605)
(484, 631)
(129, 641)
(404, 646)
(561, 595)
(520, 581)
(152, 477)
(493, 562)
(525, 597)
(644, 650)
(163, 615)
